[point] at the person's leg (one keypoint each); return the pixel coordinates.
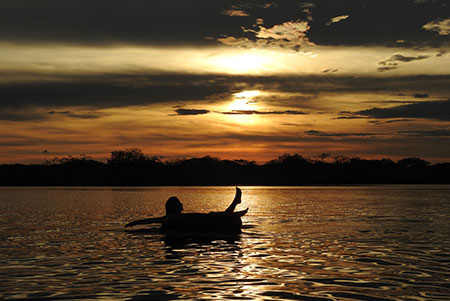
(237, 200)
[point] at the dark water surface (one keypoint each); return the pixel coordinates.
(303, 243)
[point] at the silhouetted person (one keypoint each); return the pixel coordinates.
(227, 221)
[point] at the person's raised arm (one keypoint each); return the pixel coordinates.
(152, 220)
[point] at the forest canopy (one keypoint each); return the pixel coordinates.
(132, 167)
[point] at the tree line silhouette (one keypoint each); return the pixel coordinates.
(131, 167)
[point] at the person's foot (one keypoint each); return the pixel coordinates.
(237, 198)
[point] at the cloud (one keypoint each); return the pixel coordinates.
(337, 19)
(123, 90)
(350, 84)
(180, 22)
(22, 115)
(330, 134)
(293, 31)
(236, 42)
(136, 22)
(349, 117)
(388, 102)
(289, 35)
(428, 133)
(390, 121)
(157, 22)
(376, 23)
(235, 13)
(252, 5)
(387, 68)
(393, 61)
(439, 110)
(191, 112)
(442, 27)
(255, 112)
(402, 58)
(421, 95)
(107, 91)
(70, 114)
(33, 113)
(330, 70)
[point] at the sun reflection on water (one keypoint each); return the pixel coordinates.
(305, 243)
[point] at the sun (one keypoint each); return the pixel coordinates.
(241, 63)
(247, 94)
(243, 101)
(240, 104)
(243, 108)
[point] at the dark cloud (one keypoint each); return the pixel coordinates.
(403, 58)
(389, 23)
(339, 84)
(26, 115)
(389, 121)
(421, 95)
(427, 133)
(439, 110)
(330, 70)
(116, 90)
(349, 117)
(110, 91)
(387, 102)
(398, 120)
(70, 114)
(235, 13)
(387, 68)
(181, 22)
(114, 21)
(393, 61)
(328, 134)
(191, 112)
(30, 113)
(255, 112)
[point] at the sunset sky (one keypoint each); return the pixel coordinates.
(231, 79)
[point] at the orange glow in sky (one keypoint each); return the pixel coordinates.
(253, 83)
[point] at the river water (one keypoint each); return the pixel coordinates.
(299, 243)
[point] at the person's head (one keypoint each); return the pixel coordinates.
(173, 206)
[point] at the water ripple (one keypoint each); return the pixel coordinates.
(312, 244)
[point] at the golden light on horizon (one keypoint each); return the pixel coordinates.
(247, 94)
(243, 101)
(240, 104)
(241, 109)
(241, 63)
(54, 62)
